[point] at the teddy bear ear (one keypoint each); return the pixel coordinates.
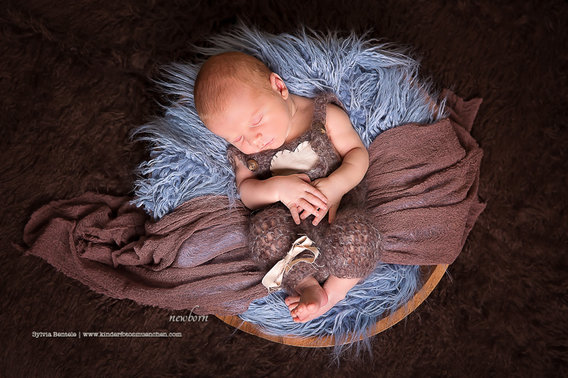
(300, 160)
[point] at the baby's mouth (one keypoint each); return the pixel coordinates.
(267, 144)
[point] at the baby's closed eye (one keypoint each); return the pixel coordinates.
(256, 121)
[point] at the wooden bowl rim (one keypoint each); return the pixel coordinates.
(435, 272)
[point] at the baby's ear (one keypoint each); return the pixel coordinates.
(278, 85)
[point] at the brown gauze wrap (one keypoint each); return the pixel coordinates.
(422, 191)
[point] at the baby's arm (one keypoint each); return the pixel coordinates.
(294, 191)
(355, 161)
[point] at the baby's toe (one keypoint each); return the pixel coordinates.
(298, 310)
(292, 306)
(291, 300)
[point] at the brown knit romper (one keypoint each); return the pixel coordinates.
(349, 247)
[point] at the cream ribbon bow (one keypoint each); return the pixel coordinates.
(273, 279)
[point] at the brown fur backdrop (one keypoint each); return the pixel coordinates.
(74, 78)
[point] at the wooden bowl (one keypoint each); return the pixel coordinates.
(431, 275)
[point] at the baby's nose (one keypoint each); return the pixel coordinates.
(258, 141)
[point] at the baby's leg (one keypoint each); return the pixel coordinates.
(353, 245)
(302, 283)
(350, 249)
(307, 295)
(271, 234)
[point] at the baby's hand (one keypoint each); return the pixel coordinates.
(299, 196)
(333, 195)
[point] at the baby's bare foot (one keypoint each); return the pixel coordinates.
(312, 298)
(335, 290)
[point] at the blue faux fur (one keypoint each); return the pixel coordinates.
(377, 85)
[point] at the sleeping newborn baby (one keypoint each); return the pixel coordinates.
(297, 161)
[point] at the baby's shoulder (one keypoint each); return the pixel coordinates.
(334, 111)
(336, 118)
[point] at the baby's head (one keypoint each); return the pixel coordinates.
(239, 99)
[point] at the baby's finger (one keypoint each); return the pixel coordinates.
(316, 201)
(332, 212)
(317, 193)
(316, 205)
(307, 207)
(319, 216)
(304, 215)
(295, 215)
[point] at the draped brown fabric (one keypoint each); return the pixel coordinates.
(422, 183)
(422, 187)
(195, 256)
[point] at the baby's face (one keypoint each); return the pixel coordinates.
(254, 119)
